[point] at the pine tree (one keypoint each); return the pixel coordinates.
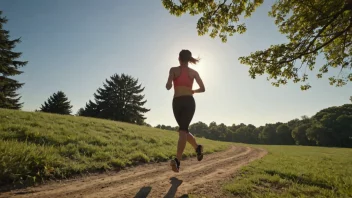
(80, 112)
(9, 66)
(90, 110)
(120, 99)
(57, 103)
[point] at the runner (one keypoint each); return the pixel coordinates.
(183, 103)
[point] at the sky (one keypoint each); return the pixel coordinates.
(74, 46)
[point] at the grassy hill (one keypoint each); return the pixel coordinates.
(36, 146)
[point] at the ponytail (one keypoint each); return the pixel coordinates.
(193, 60)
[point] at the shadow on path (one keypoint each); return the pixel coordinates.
(175, 183)
(143, 192)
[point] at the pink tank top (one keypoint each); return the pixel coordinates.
(183, 80)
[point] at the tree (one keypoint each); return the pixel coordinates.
(234, 127)
(213, 131)
(80, 112)
(57, 103)
(332, 127)
(247, 134)
(120, 99)
(146, 124)
(9, 66)
(304, 118)
(344, 128)
(200, 129)
(320, 135)
(284, 134)
(223, 131)
(351, 98)
(232, 136)
(90, 110)
(312, 28)
(268, 134)
(299, 134)
(169, 128)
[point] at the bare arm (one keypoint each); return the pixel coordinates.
(200, 83)
(169, 80)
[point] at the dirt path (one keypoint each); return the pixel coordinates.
(153, 180)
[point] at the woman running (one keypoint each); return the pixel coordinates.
(183, 103)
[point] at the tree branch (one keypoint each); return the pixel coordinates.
(325, 44)
(223, 3)
(322, 30)
(306, 51)
(296, 71)
(344, 43)
(311, 6)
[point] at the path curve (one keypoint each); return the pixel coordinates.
(152, 180)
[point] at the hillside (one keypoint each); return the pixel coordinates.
(36, 146)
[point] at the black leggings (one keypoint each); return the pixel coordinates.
(183, 108)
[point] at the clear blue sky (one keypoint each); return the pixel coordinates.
(74, 46)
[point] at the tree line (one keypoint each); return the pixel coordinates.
(330, 127)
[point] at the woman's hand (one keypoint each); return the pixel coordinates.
(168, 85)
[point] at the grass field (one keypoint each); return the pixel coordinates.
(37, 146)
(296, 171)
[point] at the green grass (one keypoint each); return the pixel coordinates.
(296, 171)
(37, 146)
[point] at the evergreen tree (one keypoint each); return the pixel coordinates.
(80, 112)
(90, 110)
(9, 66)
(120, 99)
(57, 103)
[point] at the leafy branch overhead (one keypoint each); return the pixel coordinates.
(220, 17)
(311, 27)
